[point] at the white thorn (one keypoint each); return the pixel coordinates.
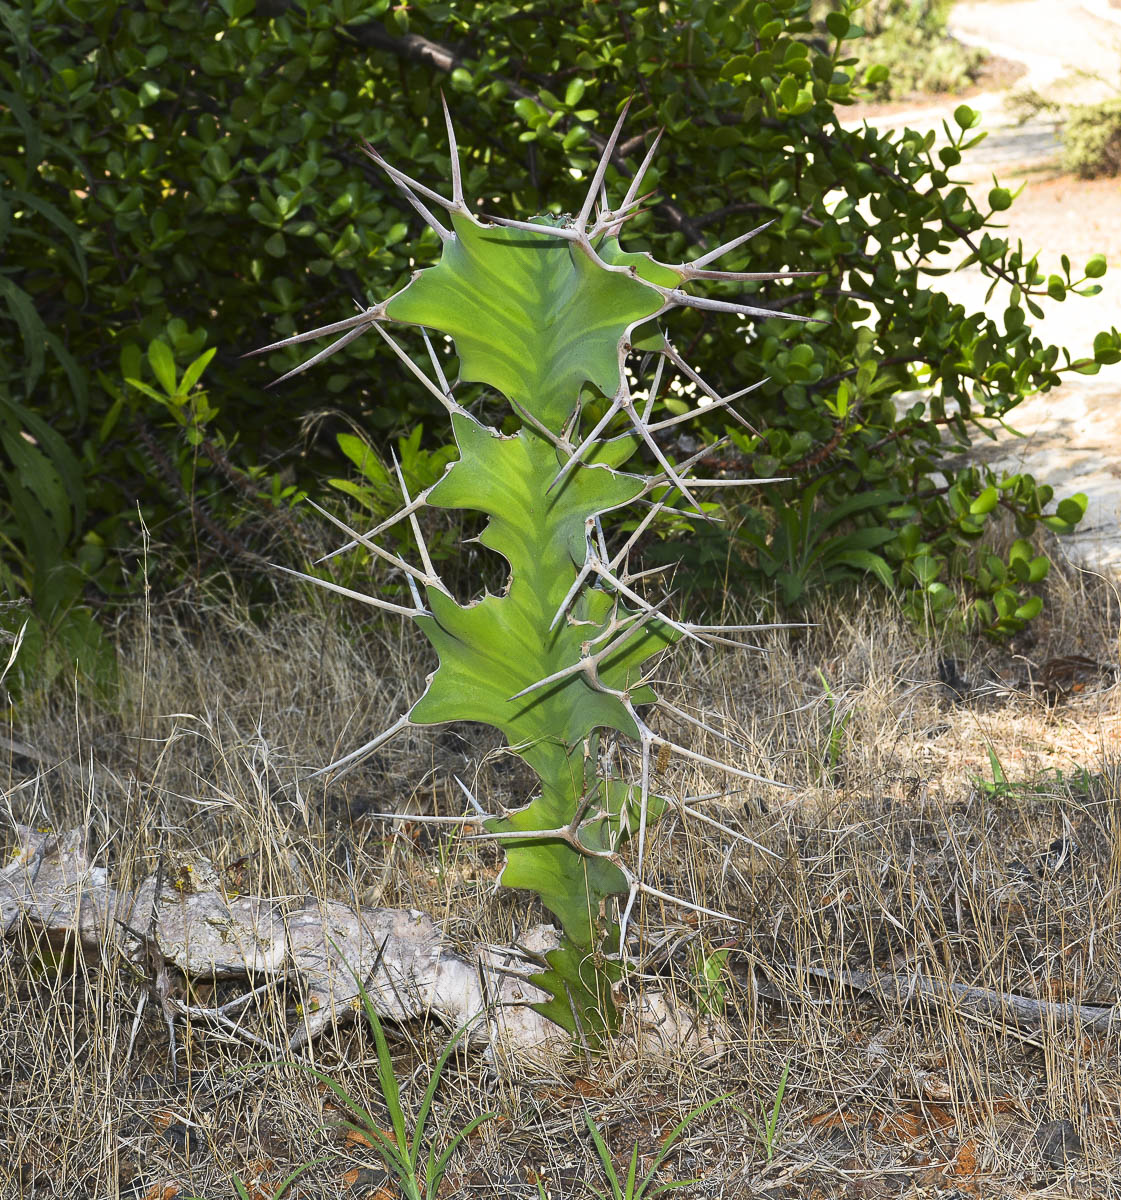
(705, 819)
(652, 394)
(576, 455)
(558, 231)
(374, 312)
(350, 593)
(684, 716)
(472, 801)
(414, 522)
(727, 247)
(333, 348)
(587, 664)
(406, 182)
(436, 364)
(581, 222)
(671, 474)
(713, 762)
(689, 272)
(446, 400)
(373, 533)
(457, 174)
(351, 760)
(429, 579)
(636, 182)
(675, 298)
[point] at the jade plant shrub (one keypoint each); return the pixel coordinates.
(548, 313)
(913, 520)
(164, 167)
(929, 548)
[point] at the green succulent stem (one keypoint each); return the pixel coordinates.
(545, 314)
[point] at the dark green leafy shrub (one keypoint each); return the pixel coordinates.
(800, 548)
(195, 463)
(164, 167)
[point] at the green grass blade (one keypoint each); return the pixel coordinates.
(385, 1147)
(361, 1113)
(433, 1083)
(387, 1078)
(678, 1130)
(671, 1186)
(436, 1173)
(772, 1124)
(604, 1157)
(632, 1170)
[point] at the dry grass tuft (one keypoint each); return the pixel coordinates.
(953, 817)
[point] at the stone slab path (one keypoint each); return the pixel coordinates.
(1071, 53)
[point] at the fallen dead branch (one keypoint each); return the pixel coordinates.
(182, 924)
(1022, 1012)
(182, 920)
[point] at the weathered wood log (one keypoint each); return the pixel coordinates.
(182, 919)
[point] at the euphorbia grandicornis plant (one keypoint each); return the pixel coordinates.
(558, 319)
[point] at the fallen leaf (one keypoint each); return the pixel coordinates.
(904, 1126)
(933, 1086)
(360, 1138)
(1058, 1142)
(358, 1177)
(965, 1161)
(1056, 989)
(162, 1191)
(256, 1181)
(833, 1119)
(937, 1116)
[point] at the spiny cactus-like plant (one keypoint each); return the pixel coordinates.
(548, 313)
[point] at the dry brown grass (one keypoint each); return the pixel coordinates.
(891, 853)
